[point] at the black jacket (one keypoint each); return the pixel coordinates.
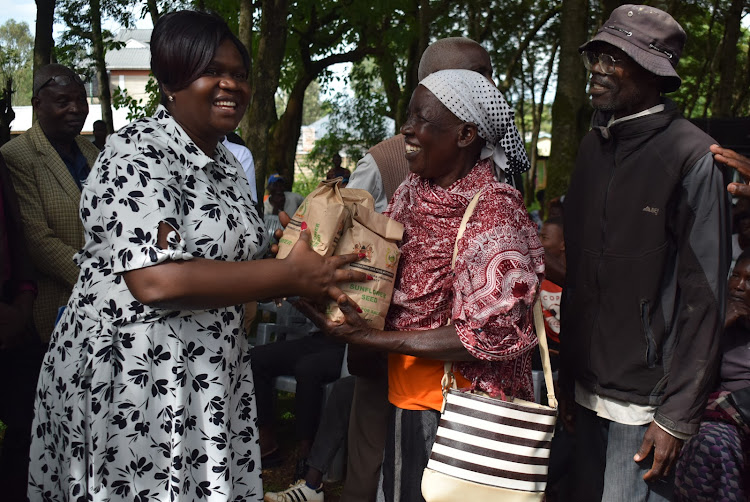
(647, 245)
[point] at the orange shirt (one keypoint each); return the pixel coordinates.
(414, 383)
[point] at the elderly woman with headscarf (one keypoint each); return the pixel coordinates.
(460, 142)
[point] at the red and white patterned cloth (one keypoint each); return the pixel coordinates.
(490, 294)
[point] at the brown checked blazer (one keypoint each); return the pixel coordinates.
(48, 197)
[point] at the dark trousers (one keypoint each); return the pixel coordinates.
(331, 435)
(19, 371)
(411, 434)
(368, 426)
(313, 360)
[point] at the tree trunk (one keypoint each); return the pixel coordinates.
(521, 113)
(424, 18)
(569, 111)
(265, 80)
(538, 114)
(724, 99)
(43, 42)
(153, 11)
(285, 133)
(97, 45)
(505, 84)
(697, 86)
(245, 31)
(414, 54)
(393, 93)
(480, 18)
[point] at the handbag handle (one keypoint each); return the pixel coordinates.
(541, 334)
(449, 380)
(464, 221)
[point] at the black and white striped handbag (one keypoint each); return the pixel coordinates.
(490, 449)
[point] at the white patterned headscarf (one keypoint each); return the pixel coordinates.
(473, 98)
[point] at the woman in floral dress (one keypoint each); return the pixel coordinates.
(146, 391)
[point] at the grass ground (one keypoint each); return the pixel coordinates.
(280, 477)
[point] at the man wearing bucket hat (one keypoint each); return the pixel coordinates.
(646, 238)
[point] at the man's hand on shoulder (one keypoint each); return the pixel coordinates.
(735, 161)
(666, 449)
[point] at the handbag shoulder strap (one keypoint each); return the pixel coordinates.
(462, 228)
(449, 381)
(541, 332)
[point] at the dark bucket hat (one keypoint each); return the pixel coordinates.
(648, 35)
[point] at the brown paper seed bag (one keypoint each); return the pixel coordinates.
(324, 212)
(353, 196)
(377, 236)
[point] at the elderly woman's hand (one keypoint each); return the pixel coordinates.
(318, 278)
(350, 330)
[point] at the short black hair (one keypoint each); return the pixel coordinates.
(183, 43)
(745, 255)
(555, 220)
(336, 172)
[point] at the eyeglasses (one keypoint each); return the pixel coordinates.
(61, 80)
(606, 62)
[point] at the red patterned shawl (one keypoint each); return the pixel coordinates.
(490, 294)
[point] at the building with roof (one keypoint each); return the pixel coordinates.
(130, 65)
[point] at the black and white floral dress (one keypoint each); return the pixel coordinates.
(138, 403)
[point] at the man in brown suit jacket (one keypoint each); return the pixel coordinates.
(20, 348)
(48, 165)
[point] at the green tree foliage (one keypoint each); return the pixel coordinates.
(570, 110)
(294, 43)
(16, 59)
(703, 80)
(138, 108)
(355, 122)
(312, 107)
(83, 20)
(43, 42)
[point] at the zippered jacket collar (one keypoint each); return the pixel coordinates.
(600, 122)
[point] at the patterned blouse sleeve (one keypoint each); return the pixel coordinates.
(499, 268)
(137, 186)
